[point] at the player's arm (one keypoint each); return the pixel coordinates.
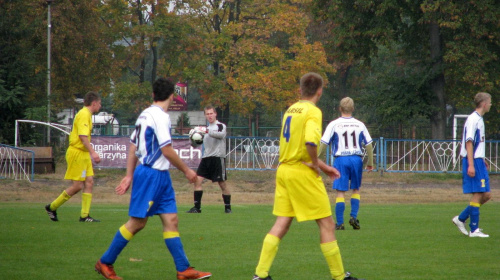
(220, 133)
(131, 163)
(169, 152)
(86, 143)
(469, 147)
(318, 164)
(369, 151)
(322, 149)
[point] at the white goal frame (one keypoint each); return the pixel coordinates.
(61, 127)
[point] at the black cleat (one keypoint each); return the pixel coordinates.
(255, 277)
(340, 227)
(354, 223)
(89, 220)
(349, 277)
(194, 210)
(228, 211)
(52, 214)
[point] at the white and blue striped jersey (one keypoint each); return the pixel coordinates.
(152, 132)
(345, 136)
(474, 131)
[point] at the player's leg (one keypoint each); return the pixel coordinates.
(87, 200)
(226, 197)
(51, 208)
(355, 202)
(330, 248)
(340, 209)
(480, 193)
(173, 241)
(197, 195)
(271, 244)
(356, 166)
(124, 234)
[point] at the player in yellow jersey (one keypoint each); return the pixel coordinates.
(78, 157)
(300, 191)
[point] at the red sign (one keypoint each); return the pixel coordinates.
(114, 151)
(180, 99)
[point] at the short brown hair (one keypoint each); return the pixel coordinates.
(90, 97)
(347, 105)
(310, 83)
(480, 98)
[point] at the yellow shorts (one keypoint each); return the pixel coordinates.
(300, 193)
(79, 165)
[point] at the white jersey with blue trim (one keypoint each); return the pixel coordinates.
(345, 136)
(474, 131)
(152, 132)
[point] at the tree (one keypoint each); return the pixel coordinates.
(257, 51)
(456, 42)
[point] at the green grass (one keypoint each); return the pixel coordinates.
(395, 242)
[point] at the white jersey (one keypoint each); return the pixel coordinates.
(152, 132)
(474, 131)
(345, 136)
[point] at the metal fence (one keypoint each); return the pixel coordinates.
(17, 164)
(390, 155)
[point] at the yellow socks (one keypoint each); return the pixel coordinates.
(86, 201)
(333, 258)
(60, 200)
(267, 255)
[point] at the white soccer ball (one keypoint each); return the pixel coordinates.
(196, 138)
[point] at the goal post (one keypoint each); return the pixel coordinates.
(63, 128)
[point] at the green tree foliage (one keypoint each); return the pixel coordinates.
(455, 43)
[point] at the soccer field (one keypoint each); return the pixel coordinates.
(396, 241)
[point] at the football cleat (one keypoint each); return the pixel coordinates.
(191, 273)
(228, 211)
(460, 225)
(354, 223)
(52, 214)
(340, 227)
(255, 277)
(106, 270)
(478, 233)
(349, 277)
(89, 220)
(194, 210)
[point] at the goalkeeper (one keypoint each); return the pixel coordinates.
(213, 161)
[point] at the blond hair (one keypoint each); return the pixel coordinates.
(480, 98)
(347, 105)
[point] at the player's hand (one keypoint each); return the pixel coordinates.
(123, 186)
(332, 172)
(369, 168)
(191, 176)
(96, 157)
(471, 171)
(313, 167)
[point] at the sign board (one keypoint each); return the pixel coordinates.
(114, 151)
(180, 99)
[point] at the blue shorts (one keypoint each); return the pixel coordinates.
(152, 193)
(351, 172)
(480, 182)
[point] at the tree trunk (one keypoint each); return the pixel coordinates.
(437, 83)
(343, 74)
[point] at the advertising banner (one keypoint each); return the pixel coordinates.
(114, 151)
(180, 99)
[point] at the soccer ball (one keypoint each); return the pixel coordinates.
(196, 138)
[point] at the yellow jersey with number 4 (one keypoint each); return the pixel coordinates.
(301, 126)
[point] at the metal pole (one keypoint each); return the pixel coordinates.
(49, 26)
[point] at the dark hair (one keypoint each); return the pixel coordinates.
(90, 97)
(162, 89)
(310, 83)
